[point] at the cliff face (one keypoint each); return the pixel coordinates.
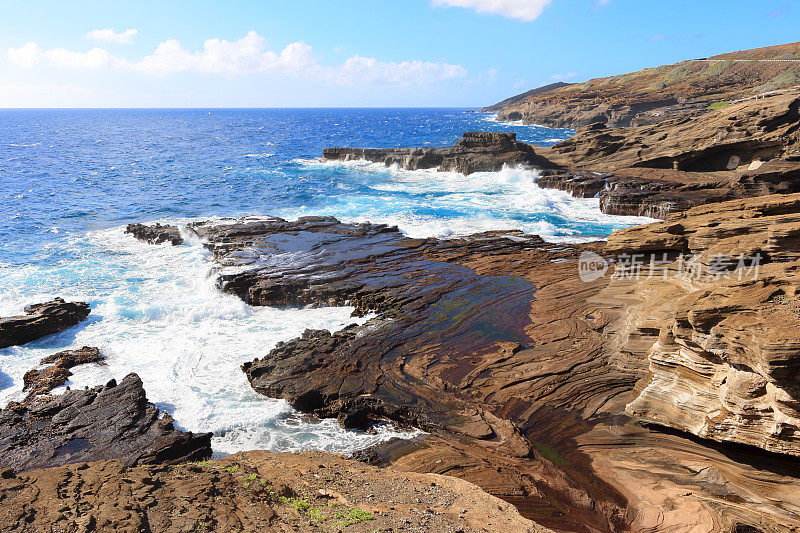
(723, 310)
(747, 149)
(683, 89)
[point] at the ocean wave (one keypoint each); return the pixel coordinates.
(156, 311)
(429, 203)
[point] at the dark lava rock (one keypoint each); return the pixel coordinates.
(156, 233)
(42, 381)
(41, 320)
(108, 422)
(476, 151)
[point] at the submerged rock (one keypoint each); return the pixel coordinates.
(41, 320)
(476, 151)
(114, 421)
(155, 233)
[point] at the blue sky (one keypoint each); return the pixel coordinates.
(308, 53)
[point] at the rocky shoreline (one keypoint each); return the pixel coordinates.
(658, 393)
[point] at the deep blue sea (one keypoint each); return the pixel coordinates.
(71, 179)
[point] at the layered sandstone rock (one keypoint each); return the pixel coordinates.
(476, 151)
(743, 150)
(41, 320)
(114, 421)
(724, 355)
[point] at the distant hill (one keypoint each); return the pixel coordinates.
(532, 92)
(653, 94)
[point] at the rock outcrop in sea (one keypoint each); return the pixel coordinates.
(476, 151)
(156, 233)
(41, 320)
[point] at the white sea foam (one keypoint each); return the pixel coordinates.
(156, 312)
(429, 203)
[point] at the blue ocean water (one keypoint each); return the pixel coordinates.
(71, 179)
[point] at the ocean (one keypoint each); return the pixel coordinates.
(70, 180)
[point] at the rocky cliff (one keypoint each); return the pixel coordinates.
(685, 89)
(747, 149)
(724, 355)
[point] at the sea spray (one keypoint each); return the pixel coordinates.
(156, 311)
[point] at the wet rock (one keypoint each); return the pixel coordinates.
(93, 424)
(41, 320)
(42, 381)
(476, 151)
(155, 233)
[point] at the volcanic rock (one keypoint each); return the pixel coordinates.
(252, 491)
(155, 233)
(41, 320)
(476, 151)
(42, 381)
(107, 422)
(743, 150)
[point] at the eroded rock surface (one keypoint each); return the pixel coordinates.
(41, 320)
(724, 348)
(476, 151)
(114, 421)
(253, 491)
(42, 381)
(156, 233)
(743, 150)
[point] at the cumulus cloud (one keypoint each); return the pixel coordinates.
(247, 55)
(525, 10)
(27, 55)
(110, 36)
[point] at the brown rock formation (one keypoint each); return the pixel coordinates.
(743, 150)
(41, 320)
(42, 381)
(724, 352)
(253, 491)
(683, 90)
(111, 422)
(476, 151)
(520, 372)
(155, 233)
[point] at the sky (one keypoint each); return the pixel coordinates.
(353, 53)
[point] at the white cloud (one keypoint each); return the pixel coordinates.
(526, 10)
(110, 36)
(247, 55)
(563, 77)
(27, 55)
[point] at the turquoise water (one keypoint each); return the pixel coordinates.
(71, 179)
